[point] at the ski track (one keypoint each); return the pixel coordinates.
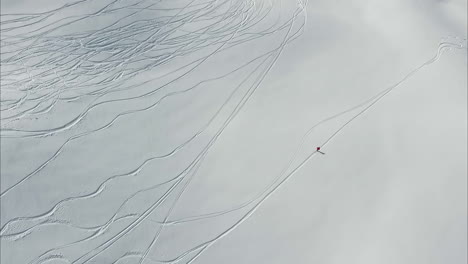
(48, 62)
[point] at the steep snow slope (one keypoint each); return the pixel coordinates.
(186, 131)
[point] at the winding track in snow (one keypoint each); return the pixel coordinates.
(42, 88)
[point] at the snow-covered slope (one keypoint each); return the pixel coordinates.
(185, 131)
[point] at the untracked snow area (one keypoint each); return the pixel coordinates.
(186, 131)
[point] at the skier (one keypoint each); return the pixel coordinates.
(318, 150)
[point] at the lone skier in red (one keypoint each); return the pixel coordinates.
(318, 150)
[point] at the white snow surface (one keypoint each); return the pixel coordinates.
(185, 131)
